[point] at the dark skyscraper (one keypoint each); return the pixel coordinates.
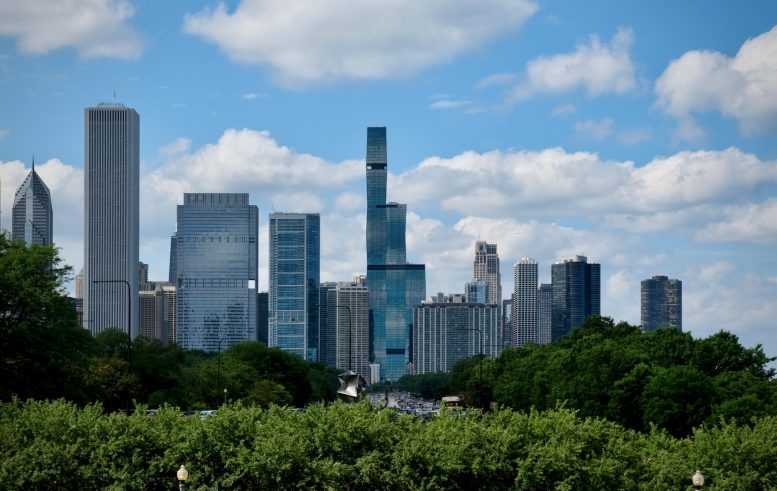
(32, 218)
(576, 294)
(662, 303)
(395, 286)
(111, 207)
(327, 321)
(262, 316)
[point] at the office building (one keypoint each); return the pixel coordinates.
(262, 316)
(351, 320)
(79, 285)
(111, 186)
(216, 268)
(295, 263)
(395, 286)
(545, 312)
(507, 322)
(576, 294)
(476, 292)
(444, 333)
(662, 303)
(32, 219)
(524, 319)
(172, 273)
(327, 322)
(486, 268)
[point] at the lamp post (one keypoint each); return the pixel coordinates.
(350, 335)
(182, 476)
(480, 362)
(225, 395)
(698, 480)
(129, 330)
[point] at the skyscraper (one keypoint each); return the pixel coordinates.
(525, 323)
(394, 285)
(32, 219)
(216, 270)
(662, 303)
(351, 314)
(486, 268)
(327, 323)
(111, 167)
(576, 294)
(476, 292)
(545, 312)
(295, 263)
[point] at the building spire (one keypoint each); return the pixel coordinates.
(33, 162)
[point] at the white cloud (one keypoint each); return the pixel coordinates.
(497, 79)
(564, 110)
(449, 104)
(311, 42)
(753, 222)
(299, 202)
(595, 130)
(743, 87)
(351, 201)
(180, 145)
(95, 28)
(252, 95)
(4, 133)
(595, 67)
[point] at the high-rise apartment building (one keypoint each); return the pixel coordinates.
(295, 263)
(111, 187)
(476, 292)
(444, 333)
(507, 321)
(662, 303)
(216, 268)
(576, 294)
(262, 316)
(395, 286)
(486, 268)
(32, 218)
(327, 323)
(351, 319)
(524, 319)
(545, 312)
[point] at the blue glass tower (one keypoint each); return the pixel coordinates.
(216, 270)
(576, 294)
(395, 286)
(295, 259)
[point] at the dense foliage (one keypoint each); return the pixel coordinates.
(614, 371)
(60, 446)
(45, 354)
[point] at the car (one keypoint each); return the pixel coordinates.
(206, 413)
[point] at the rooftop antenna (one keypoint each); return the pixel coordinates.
(33, 162)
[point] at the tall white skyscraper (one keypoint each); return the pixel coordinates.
(353, 323)
(525, 322)
(111, 167)
(32, 217)
(486, 268)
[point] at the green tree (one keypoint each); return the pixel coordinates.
(678, 399)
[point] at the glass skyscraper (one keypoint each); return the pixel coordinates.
(576, 294)
(395, 286)
(662, 303)
(216, 270)
(295, 263)
(32, 218)
(111, 203)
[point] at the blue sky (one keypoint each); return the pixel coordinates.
(641, 134)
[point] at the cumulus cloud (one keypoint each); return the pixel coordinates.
(752, 222)
(178, 146)
(634, 136)
(310, 42)
(4, 132)
(595, 67)
(743, 87)
(94, 28)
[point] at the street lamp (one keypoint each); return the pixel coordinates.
(350, 336)
(225, 395)
(129, 329)
(480, 383)
(218, 376)
(698, 480)
(182, 475)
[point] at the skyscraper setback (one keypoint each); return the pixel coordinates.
(111, 186)
(295, 264)
(486, 268)
(662, 303)
(576, 294)
(216, 270)
(394, 285)
(32, 218)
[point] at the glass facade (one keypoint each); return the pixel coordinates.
(395, 287)
(662, 304)
(32, 218)
(525, 322)
(216, 264)
(295, 243)
(576, 294)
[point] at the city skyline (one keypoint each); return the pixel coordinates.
(648, 167)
